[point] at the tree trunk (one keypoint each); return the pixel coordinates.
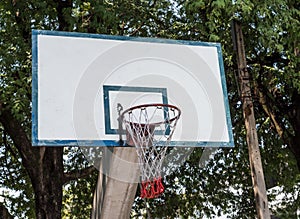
(295, 145)
(47, 181)
(296, 114)
(44, 166)
(4, 214)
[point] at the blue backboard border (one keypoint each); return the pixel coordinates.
(34, 113)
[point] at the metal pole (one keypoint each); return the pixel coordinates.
(258, 181)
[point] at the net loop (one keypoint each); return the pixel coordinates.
(149, 128)
(152, 189)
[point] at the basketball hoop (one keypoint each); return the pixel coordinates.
(149, 128)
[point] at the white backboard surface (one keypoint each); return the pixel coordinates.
(81, 82)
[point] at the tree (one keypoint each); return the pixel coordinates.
(271, 30)
(266, 44)
(44, 165)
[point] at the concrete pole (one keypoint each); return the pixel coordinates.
(116, 188)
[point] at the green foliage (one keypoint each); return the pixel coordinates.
(272, 33)
(78, 198)
(197, 190)
(77, 194)
(15, 187)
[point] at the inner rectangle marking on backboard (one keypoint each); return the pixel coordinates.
(110, 101)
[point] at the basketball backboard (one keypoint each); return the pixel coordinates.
(82, 82)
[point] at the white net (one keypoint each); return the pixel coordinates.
(150, 128)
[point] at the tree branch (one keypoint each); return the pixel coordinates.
(61, 5)
(290, 139)
(78, 174)
(4, 214)
(270, 113)
(18, 135)
(268, 60)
